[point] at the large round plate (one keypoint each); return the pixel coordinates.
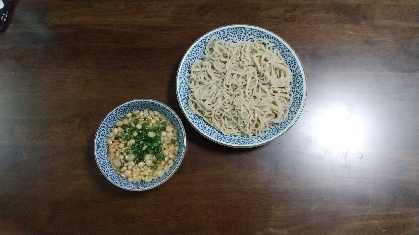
(242, 33)
(101, 147)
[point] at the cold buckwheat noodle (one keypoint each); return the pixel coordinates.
(240, 88)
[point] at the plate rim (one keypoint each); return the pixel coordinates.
(300, 65)
(183, 141)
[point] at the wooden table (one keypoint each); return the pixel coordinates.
(350, 165)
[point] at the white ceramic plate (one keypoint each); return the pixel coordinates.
(242, 33)
(101, 147)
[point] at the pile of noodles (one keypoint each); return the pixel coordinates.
(240, 88)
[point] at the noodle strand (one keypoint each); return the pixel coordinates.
(240, 88)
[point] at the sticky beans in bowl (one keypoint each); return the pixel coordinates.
(143, 145)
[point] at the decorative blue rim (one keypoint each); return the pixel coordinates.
(242, 33)
(101, 147)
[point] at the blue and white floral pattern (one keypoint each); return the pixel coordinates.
(101, 147)
(242, 33)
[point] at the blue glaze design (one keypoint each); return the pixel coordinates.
(101, 147)
(242, 33)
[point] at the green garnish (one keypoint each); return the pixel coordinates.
(143, 145)
(147, 140)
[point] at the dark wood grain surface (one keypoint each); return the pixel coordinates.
(350, 165)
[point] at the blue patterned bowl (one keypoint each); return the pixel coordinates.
(101, 147)
(242, 33)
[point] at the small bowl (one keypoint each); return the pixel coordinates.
(242, 33)
(101, 147)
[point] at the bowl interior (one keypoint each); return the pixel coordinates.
(242, 33)
(101, 148)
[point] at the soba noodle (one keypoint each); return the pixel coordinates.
(240, 88)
